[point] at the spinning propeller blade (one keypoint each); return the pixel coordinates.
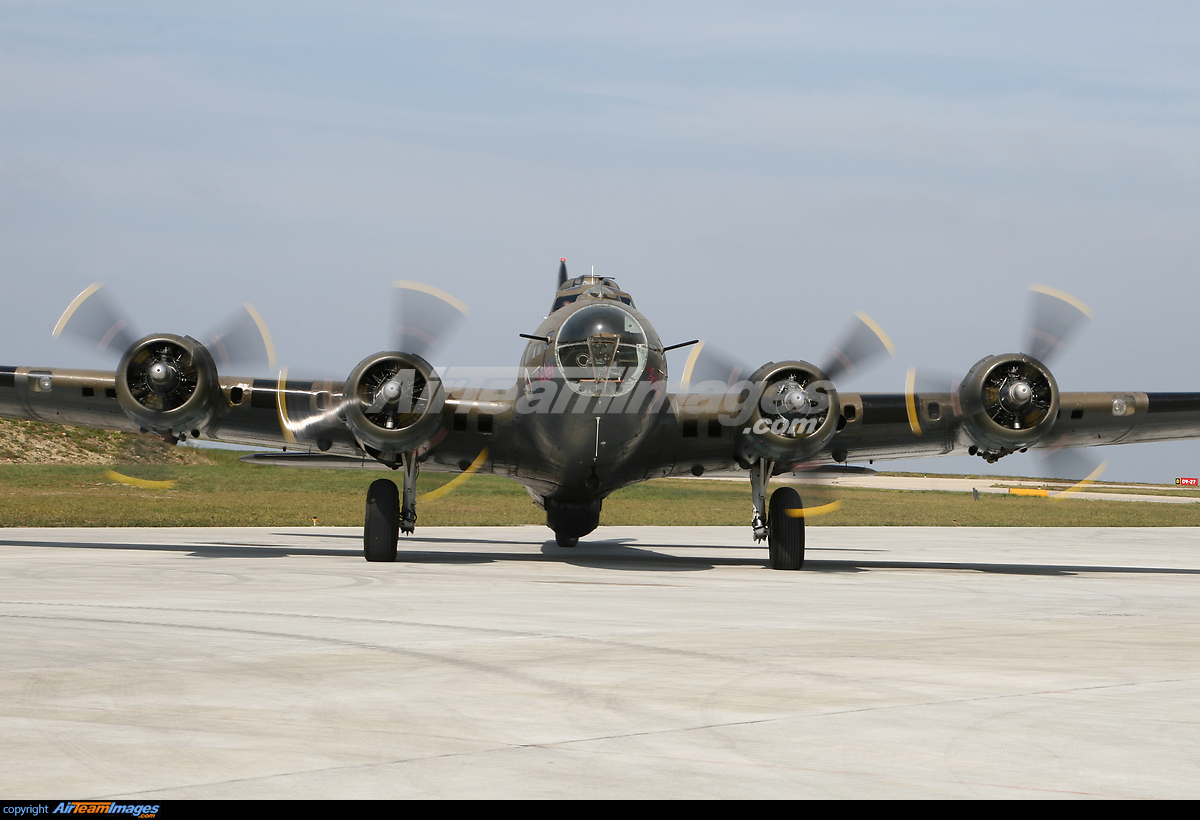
(816, 483)
(813, 512)
(458, 480)
(708, 363)
(863, 341)
(141, 483)
(1053, 317)
(243, 338)
(1074, 464)
(93, 318)
(425, 317)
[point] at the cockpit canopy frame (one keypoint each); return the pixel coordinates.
(601, 350)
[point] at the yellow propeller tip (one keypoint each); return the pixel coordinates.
(877, 330)
(1063, 296)
(74, 306)
(457, 304)
(143, 483)
(1091, 479)
(458, 480)
(262, 329)
(810, 512)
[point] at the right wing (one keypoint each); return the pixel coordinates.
(304, 418)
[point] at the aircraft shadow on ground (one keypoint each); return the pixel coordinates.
(612, 554)
(616, 553)
(818, 565)
(608, 554)
(214, 550)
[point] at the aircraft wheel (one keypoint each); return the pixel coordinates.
(565, 541)
(785, 534)
(381, 529)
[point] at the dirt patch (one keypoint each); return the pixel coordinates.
(35, 442)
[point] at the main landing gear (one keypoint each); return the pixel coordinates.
(781, 524)
(381, 529)
(386, 516)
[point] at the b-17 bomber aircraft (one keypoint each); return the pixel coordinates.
(590, 411)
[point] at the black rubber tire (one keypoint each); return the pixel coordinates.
(381, 529)
(565, 541)
(785, 534)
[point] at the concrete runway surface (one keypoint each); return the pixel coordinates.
(649, 662)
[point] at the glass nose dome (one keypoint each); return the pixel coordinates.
(601, 351)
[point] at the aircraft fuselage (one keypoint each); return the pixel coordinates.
(590, 395)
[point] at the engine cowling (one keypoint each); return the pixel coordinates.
(393, 402)
(1008, 403)
(795, 412)
(168, 384)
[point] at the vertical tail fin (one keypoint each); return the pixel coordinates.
(562, 272)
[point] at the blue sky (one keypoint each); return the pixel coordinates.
(752, 173)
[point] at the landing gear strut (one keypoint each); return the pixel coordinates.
(760, 474)
(381, 529)
(783, 533)
(408, 511)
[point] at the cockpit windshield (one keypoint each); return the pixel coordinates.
(601, 350)
(590, 287)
